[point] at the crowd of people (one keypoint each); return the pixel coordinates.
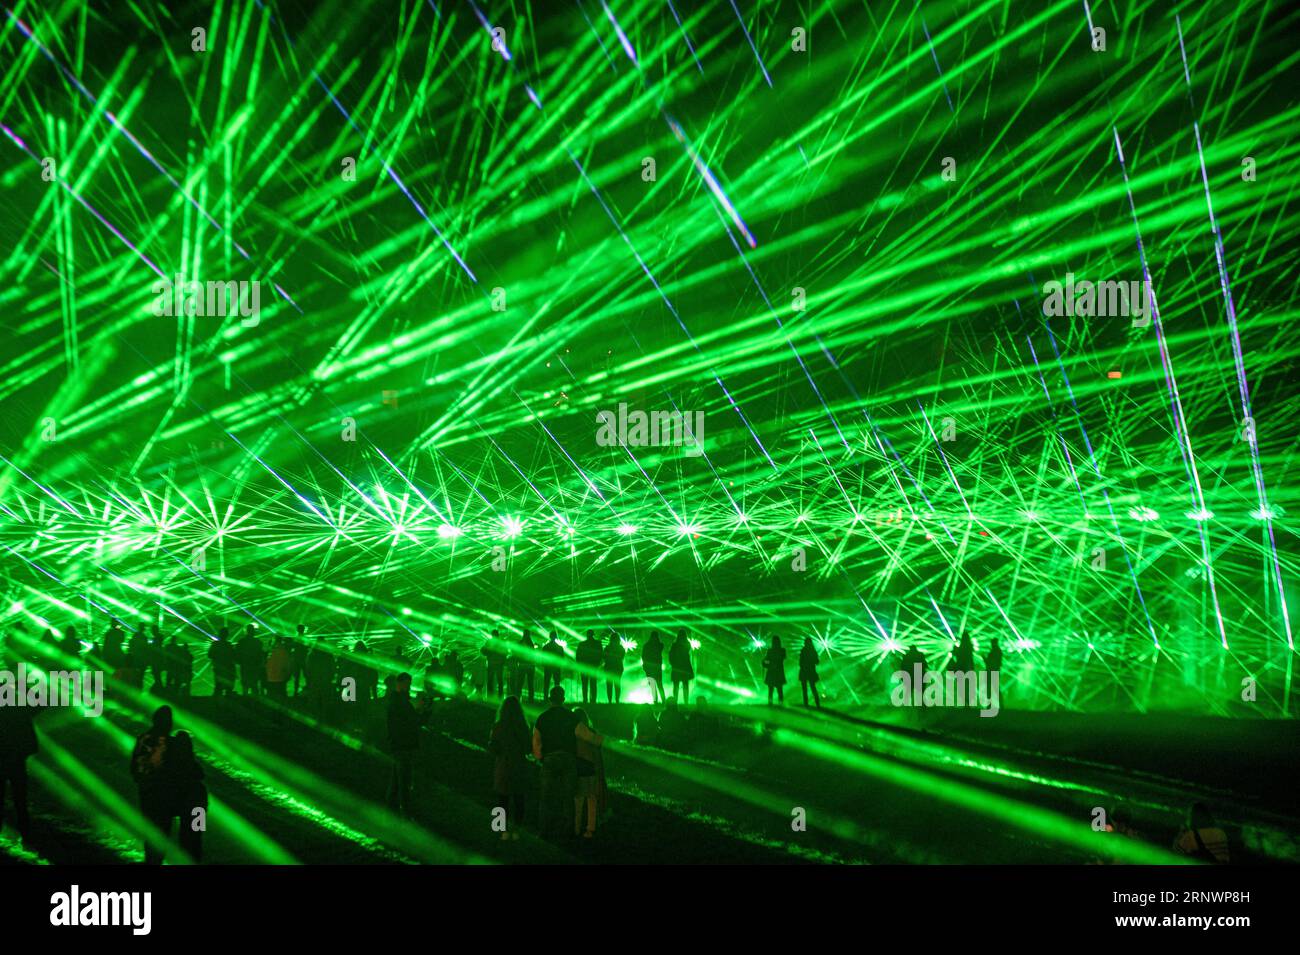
(562, 742)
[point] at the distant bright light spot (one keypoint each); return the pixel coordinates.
(1023, 644)
(626, 530)
(1143, 514)
(801, 518)
(628, 644)
(757, 644)
(511, 527)
(563, 643)
(638, 694)
(685, 529)
(447, 531)
(695, 644)
(1204, 514)
(893, 646)
(743, 518)
(1268, 513)
(407, 611)
(1030, 515)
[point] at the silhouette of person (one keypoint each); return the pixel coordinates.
(113, 654)
(522, 666)
(993, 659)
(589, 656)
(320, 678)
(510, 745)
(158, 659)
(555, 746)
(613, 664)
(495, 658)
(224, 659)
(963, 658)
(367, 677)
(911, 658)
(403, 743)
(679, 658)
(808, 661)
(278, 668)
(149, 771)
(17, 743)
(774, 670)
(589, 778)
(552, 670)
(69, 645)
(182, 666)
(672, 726)
(453, 672)
(136, 658)
(645, 726)
(188, 794)
(298, 659)
(252, 661)
(652, 662)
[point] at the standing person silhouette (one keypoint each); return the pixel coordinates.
(589, 781)
(510, 745)
(403, 743)
(279, 667)
(588, 657)
(224, 658)
(17, 743)
(298, 659)
(522, 667)
(652, 662)
(555, 746)
(963, 657)
(552, 670)
(70, 646)
(183, 666)
(187, 793)
(774, 670)
(252, 661)
(679, 658)
(159, 660)
(320, 679)
(495, 658)
(993, 659)
(808, 661)
(149, 771)
(613, 666)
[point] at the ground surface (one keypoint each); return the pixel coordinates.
(957, 789)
